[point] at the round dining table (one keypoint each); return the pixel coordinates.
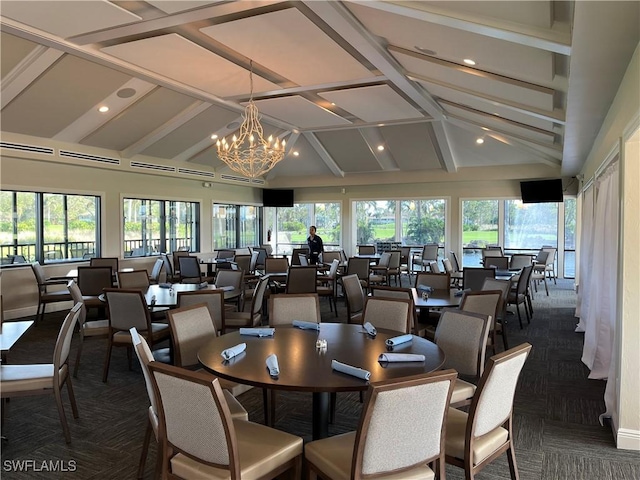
(305, 368)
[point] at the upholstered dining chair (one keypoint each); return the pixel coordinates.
(156, 271)
(128, 308)
(434, 267)
(287, 307)
(92, 281)
(301, 279)
(500, 263)
(327, 285)
(500, 322)
(354, 296)
(252, 318)
(473, 277)
(366, 249)
(548, 265)
(176, 260)
(330, 256)
(390, 313)
(205, 441)
(462, 336)
(135, 279)
(232, 279)
(520, 260)
(145, 356)
(475, 439)
(429, 254)
(380, 272)
(46, 296)
(213, 299)
(486, 302)
(539, 273)
(396, 292)
(87, 328)
(382, 446)
(519, 296)
(190, 270)
(359, 267)
(437, 281)
(295, 255)
(105, 262)
(44, 379)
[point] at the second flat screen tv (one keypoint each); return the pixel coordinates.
(277, 197)
(541, 191)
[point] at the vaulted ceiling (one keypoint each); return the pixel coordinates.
(337, 80)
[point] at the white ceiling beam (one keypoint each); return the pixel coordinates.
(545, 39)
(323, 154)
(342, 21)
(373, 138)
(196, 108)
(207, 142)
(442, 140)
(39, 60)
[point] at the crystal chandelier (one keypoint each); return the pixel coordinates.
(250, 154)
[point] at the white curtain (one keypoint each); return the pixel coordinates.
(600, 309)
(586, 255)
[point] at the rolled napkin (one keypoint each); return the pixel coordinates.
(391, 342)
(258, 332)
(272, 365)
(227, 288)
(229, 353)
(459, 293)
(371, 330)
(400, 357)
(203, 285)
(165, 285)
(306, 325)
(350, 370)
(425, 288)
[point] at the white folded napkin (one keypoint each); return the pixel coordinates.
(391, 342)
(203, 285)
(306, 325)
(371, 330)
(229, 353)
(426, 288)
(350, 370)
(401, 357)
(459, 293)
(272, 365)
(258, 332)
(227, 288)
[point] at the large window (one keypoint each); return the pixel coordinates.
(48, 227)
(154, 226)
(423, 221)
(235, 226)
(479, 228)
(570, 238)
(528, 226)
(288, 227)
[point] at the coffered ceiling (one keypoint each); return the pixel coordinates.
(355, 87)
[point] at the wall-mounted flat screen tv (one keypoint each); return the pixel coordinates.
(541, 191)
(277, 197)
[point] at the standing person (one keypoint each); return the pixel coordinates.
(315, 245)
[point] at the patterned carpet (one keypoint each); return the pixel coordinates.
(556, 409)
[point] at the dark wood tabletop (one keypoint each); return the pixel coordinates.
(10, 333)
(168, 297)
(437, 299)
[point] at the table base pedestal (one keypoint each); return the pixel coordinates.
(321, 401)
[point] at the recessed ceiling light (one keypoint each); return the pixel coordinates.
(426, 51)
(296, 153)
(468, 61)
(485, 129)
(103, 109)
(333, 104)
(480, 141)
(214, 136)
(380, 148)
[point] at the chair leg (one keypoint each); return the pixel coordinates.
(332, 407)
(72, 397)
(546, 288)
(513, 466)
(107, 360)
(78, 354)
(519, 315)
(145, 449)
(505, 342)
(63, 417)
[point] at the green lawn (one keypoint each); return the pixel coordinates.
(486, 236)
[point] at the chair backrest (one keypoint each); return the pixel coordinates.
(462, 336)
(276, 265)
(189, 267)
(394, 261)
(213, 299)
(143, 352)
(333, 269)
(366, 249)
(295, 255)
(303, 260)
(434, 267)
(503, 286)
(472, 278)
(405, 253)
(285, 308)
(267, 248)
(302, 279)
(390, 313)
(438, 281)
(135, 279)
(93, 280)
(262, 256)
(63, 343)
(391, 292)
(127, 308)
(501, 263)
(359, 267)
(353, 291)
(41, 278)
(76, 296)
(167, 265)
(254, 261)
(225, 254)
(105, 262)
(330, 256)
(203, 431)
(176, 259)
(157, 270)
(258, 295)
(492, 404)
(523, 281)
(448, 268)
(551, 257)
(191, 328)
(385, 258)
(520, 260)
(430, 252)
(456, 264)
(486, 302)
(492, 252)
(230, 278)
(243, 262)
(382, 444)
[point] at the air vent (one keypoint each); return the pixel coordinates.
(26, 148)
(90, 158)
(233, 178)
(258, 181)
(152, 166)
(197, 173)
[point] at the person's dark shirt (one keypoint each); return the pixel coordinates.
(315, 245)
